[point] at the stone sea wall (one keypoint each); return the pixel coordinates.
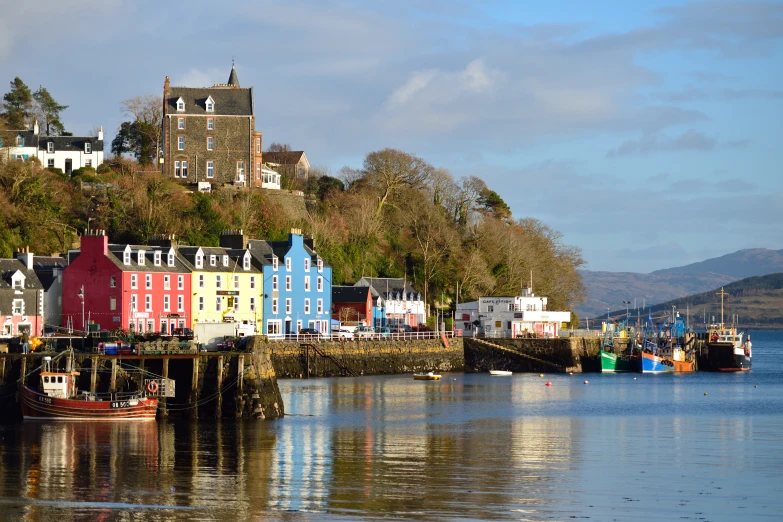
(572, 354)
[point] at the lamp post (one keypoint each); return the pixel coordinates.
(84, 319)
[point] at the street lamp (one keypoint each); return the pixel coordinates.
(626, 303)
(84, 319)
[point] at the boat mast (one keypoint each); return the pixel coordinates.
(721, 294)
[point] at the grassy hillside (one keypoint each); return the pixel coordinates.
(757, 301)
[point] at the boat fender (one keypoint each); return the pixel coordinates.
(152, 387)
(548, 383)
(587, 382)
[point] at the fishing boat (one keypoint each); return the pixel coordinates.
(726, 349)
(429, 376)
(500, 373)
(615, 358)
(58, 399)
(670, 347)
(653, 363)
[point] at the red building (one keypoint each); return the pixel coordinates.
(141, 288)
(352, 304)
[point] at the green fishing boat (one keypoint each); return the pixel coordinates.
(613, 363)
(616, 352)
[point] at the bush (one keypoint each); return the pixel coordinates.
(84, 171)
(104, 168)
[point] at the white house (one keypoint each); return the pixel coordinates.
(395, 301)
(67, 153)
(511, 316)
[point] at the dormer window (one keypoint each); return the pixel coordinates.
(246, 261)
(320, 264)
(126, 256)
(140, 257)
(17, 281)
(88, 148)
(288, 264)
(171, 258)
(225, 260)
(157, 258)
(212, 260)
(20, 141)
(180, 105)
(199, 261)
(210, 104)
(50, 147)
(274, 262)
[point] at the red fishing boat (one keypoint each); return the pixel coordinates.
(58, 399)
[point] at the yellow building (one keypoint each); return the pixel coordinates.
(227, 285)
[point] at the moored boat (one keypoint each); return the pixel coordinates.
(58, 399)
(614, 363)
(615, 358)
(726, 349)
(500, 373)
(653, 363)
(429, 376)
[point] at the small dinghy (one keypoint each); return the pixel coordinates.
(500, 373)
(429, 376)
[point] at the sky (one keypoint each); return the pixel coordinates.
(647, 133)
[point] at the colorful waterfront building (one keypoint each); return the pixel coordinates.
(143, 288)
(297, 285)
(21, 297)
(227, 283)
(395, 301)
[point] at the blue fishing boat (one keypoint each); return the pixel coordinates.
(652, 360)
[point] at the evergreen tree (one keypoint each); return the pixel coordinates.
(18, 105)
(48, 111)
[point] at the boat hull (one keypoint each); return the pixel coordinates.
(724, 358)
(500, 373)
(38, 406)
(425, 377)
(651, 363)
(613, 363)
(684, 366)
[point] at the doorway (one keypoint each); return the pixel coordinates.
(69, 166)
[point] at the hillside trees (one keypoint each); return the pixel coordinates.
(47, 111)
(140, 135)
(18, 105)
(391, 170)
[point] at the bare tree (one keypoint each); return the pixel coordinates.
(146, 112)
(392, 170)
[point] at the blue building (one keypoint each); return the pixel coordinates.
(297, 286)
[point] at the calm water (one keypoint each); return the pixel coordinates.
(467, 447)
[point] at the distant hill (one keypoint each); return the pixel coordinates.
(610, 289)
(756, 301)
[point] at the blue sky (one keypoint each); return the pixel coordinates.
(648, 133)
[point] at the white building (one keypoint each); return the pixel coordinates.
(270, 179)
(395, 302)
(67, 153)
(510, 316)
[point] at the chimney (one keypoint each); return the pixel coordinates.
(25, 257)
(95, 242)
(36, 129)
(166, 90)
(100, 133)
(309, 242)
(163, 240)
(233, 239)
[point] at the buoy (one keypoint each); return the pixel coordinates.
(587, 382)
(455, 378)
(756, 386)
(705, 393)
(570, 373)
(548, 383)
(540, 374)
(634, 378)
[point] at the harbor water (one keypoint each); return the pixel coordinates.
(704, 446)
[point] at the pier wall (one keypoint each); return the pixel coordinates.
(573, 354)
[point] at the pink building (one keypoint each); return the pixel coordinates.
(141, 288)
(21, 297)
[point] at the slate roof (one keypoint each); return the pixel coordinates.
(228, 101)
(10, 266)
(263, 250)
(349, 294)
(233, 80)
(44, 268)
(290, 157)
(70, 143)
(379, 285)
(188, 254)
(30, 139)
(116, 253)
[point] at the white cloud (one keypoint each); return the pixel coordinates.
(417, 82)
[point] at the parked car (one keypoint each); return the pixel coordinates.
(364, 332)
(401, 329)
(309, 333)
(383, 332)
(183, 332)
(345, 334)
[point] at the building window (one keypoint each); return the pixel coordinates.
(307, 305)
(274, 283)
(134, 303)
(287, 283)
(218, 304)
(134, 281)
(210, 169)
(246, 262)
(320, 284)
(212, 260)
(180, 282)
(180, 142)
(50, 147)
(218, 283)
(201, 281)
(50, 163)
(148, 280)
(148, 303)
(258, 145)
(167, 282)
(156, 258)
(113, 282)
(210, 104)
(274, 262)
(112, 303)
(240, 170)
(288, 305)
(225, 260)
(199, 260)
(17, 307)
(274, 305)
(320, 308)
(19, 141)
(307, 264)
(177, 169)
(236, 282)
(307, 283)
(210, 143)
(236, 303)
(180, 303)
(252, 304)
(288, 264)
(201, 303)
(184, 169)
(140, 257)
(320, 264)
(258, 170)
(88, 148)
(252, 282)
(171, 259)
(181, 123)
(210, 123)
(273, 327)
(166, 303)
(180, 105)
(88, 163)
